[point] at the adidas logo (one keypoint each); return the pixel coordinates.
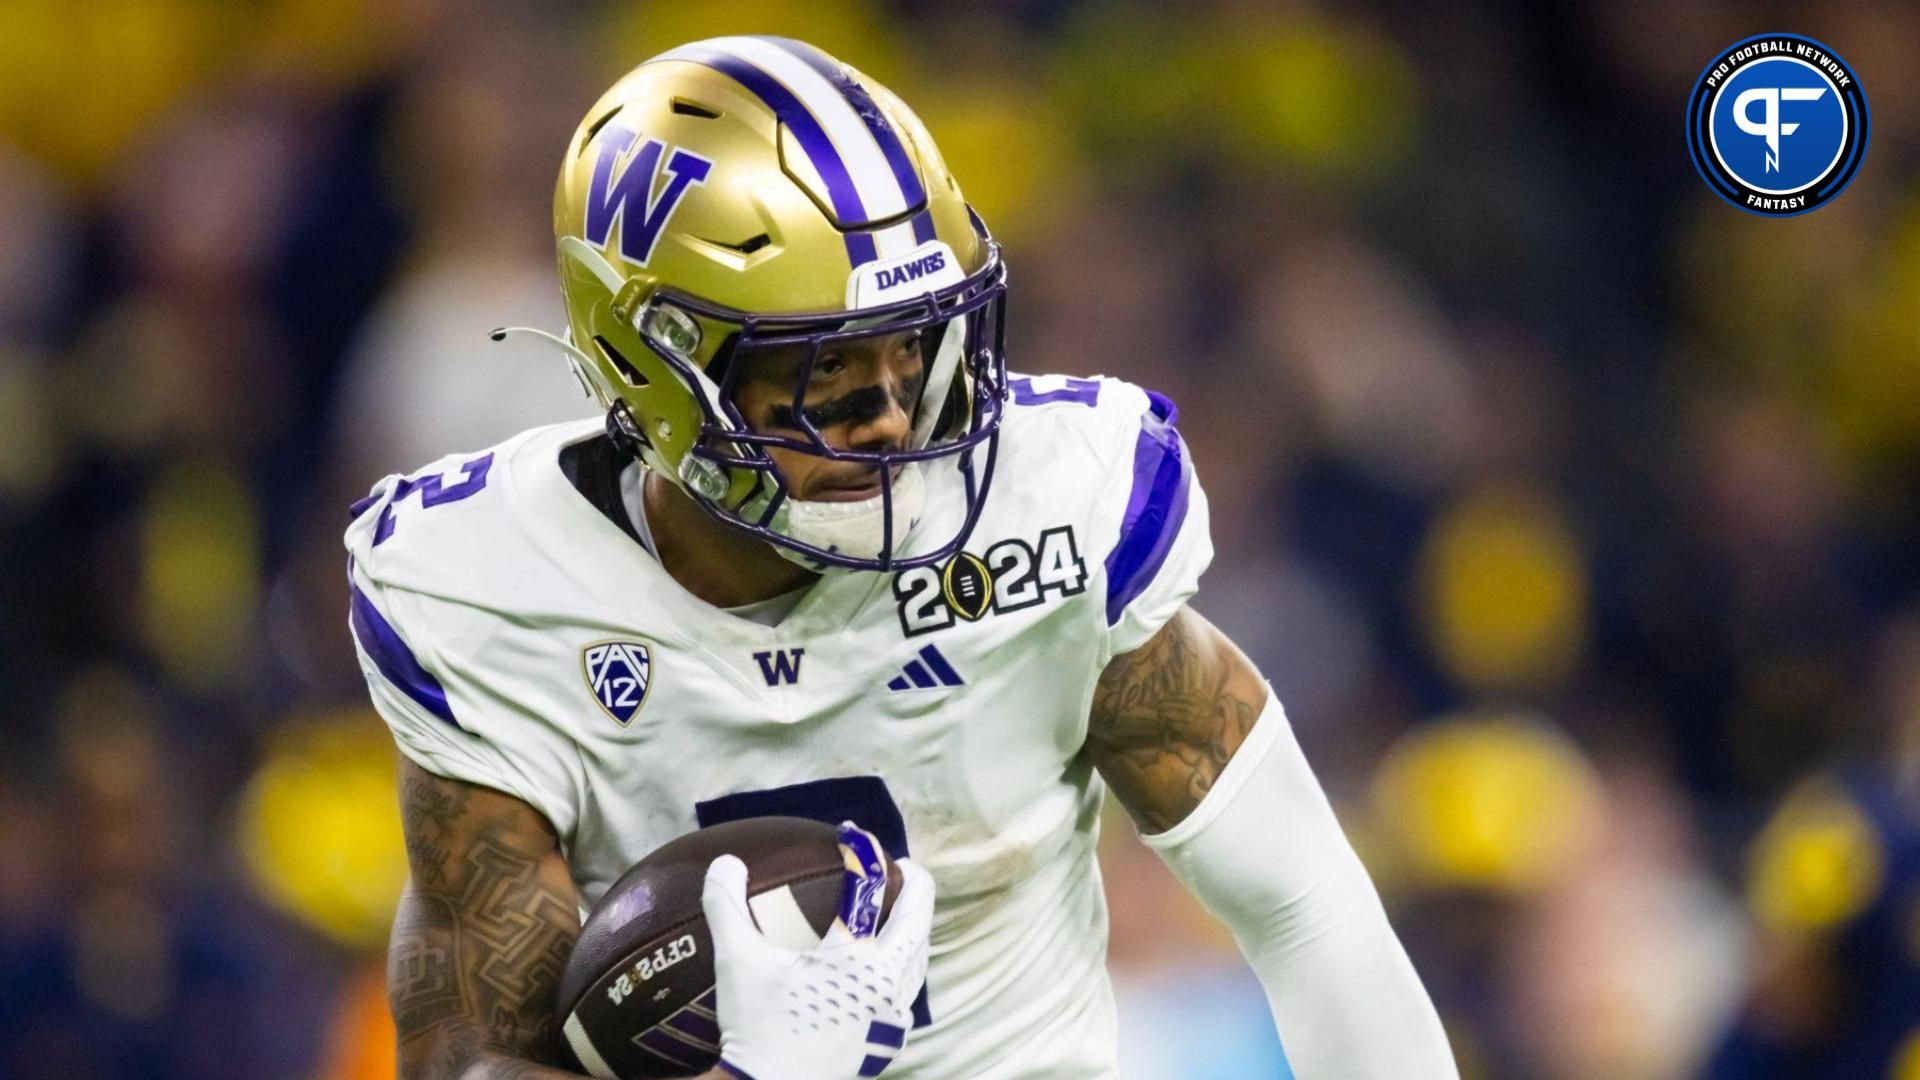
(935, 671)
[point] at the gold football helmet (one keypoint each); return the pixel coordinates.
(754, 193)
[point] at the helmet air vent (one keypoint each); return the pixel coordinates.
(621, 363)
(594, 128)
(748, 246)
(683, 107)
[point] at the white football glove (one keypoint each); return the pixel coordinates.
(840, 1009)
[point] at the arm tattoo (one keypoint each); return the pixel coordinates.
(1167, 717)
(482, 934)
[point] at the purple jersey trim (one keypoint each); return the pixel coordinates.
(813, 139)
(1156, 508)
(391, 655)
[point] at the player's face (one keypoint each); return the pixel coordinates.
(861, 396)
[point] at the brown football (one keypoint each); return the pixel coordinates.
(637, 998)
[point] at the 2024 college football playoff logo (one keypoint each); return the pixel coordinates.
(1777, 125)
(618, 673)
(1012, 575)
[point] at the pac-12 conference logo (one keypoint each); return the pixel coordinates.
(618, 673)
(1777, 124)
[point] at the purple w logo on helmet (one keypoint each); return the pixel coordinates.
(630, 198)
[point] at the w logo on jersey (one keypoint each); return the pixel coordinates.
(780, 667)
(630, 199)
(618, 672)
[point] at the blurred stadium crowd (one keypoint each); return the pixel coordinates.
(1573, 513)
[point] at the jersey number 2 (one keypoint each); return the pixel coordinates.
(434, 490)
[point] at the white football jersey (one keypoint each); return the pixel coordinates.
(516, 637)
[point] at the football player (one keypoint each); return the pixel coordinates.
(827, 557)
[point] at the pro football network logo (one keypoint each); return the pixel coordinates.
(1777, 125)
(618, 673)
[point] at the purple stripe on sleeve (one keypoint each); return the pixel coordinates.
(870, 114)
(1163, 407)
(813, 139)
(391, 655)
(1155, 510)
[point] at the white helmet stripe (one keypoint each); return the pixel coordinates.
(895, 240)
(892, 145)
(872, 176)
